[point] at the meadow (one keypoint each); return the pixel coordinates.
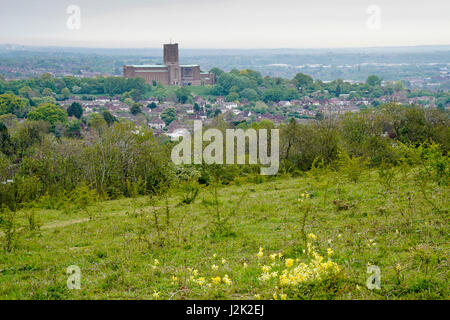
(308, 236)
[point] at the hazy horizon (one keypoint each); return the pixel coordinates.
(225, 24)
(418, 46)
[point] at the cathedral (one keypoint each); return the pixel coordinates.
(171, 73)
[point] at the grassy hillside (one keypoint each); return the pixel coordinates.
(237, 242)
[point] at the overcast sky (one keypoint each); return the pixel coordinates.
(227, 23)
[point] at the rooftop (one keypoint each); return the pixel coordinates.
(148, 66)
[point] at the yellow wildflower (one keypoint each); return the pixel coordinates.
(266, 268)
(216, 280)
(156, 294)
(214, 267)
(200, 281)
(227, 280)
(289, 263)
(283, 296)
(260, 253)
(330, 252)
(312, 236)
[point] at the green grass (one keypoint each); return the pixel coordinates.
(361, 221)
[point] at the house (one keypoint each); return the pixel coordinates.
(200, 101)
(176, 130)
(178, 133)
(231, 105)
(284, 103)
(157, 123)
(220, 100)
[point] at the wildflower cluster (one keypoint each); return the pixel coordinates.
(304, 196)
(213, 280)
(287, 273)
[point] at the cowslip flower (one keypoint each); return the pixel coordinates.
(216, 280)
(227, 280)
(266, 268)
(260, 253)
(289, 262)
(200, 281)
(312, 236)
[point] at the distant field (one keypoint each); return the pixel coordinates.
(220, 247)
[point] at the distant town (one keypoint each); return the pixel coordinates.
(168, 96)
(305, 109)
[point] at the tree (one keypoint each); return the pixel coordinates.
(48, 112)
(249, 94)
(182, 94)
(260, 107)
(169, 115)
(75, 110)
(152, 105)
(74, 129)
(135, 109)
(129, 102)
(109, 118)
(47, 92)
(29, 133)
(10, 103)
(303, 80)
(97, 122)
(26, 92)
(273, 94)
(291, 94)
(65, 93)
(373, 81)
(5, 141)
(216, 72)
(136, 94)
(232, 96)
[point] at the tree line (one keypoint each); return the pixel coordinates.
(118, 159)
